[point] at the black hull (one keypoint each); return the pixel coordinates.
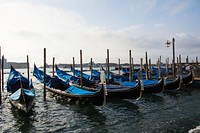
(14, 83)
(18, 85)
(173, 85)
(25, 103)
(125, 93)
(157, 88)
(97, 99)
(187, 79)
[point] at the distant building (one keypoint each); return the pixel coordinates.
(14, 64)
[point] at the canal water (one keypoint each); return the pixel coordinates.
(167, 112)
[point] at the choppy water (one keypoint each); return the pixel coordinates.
(176, 111)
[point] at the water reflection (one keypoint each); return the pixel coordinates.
(157, 98)
(23, 121)
(170, 111)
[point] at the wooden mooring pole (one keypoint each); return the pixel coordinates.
(180, 61)
(119, 66)
(147, 71)
(167, 66)
(130, 66)
(53, 66)
(133, 69)
(0, 80)
(150, 68)
(81, 65)
(44, 74)
(91, 65)
(141, 64)
(159, 68)
(28, 68)
(73, 66)
(2, 73)
(187, 60)
(174, 66)
(197, 60)
(108, 66)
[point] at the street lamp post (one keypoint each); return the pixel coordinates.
(168, 43)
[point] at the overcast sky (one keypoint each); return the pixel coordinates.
(64, 27)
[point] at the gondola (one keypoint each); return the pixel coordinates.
(67, 77)
(153, 86)
(172, 84)
(22, 94)
(124, 91)
(187, 79)
(113, 91)
(71, 93)
(149, 86)
(88, 80)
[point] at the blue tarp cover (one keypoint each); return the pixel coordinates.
(15, 96)
(14, 77)
(67, 77)
(78, 91)
(149, 82)
(128, 83)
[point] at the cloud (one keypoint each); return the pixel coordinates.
(182, 35)
(142, 7)
(28, 28)
(160, 25)
(174, 8)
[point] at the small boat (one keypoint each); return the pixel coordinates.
(72, 93)
(22, 91)
(113, 91)
(67, 77)
(172, 84)
(88, 80)
(153, 86)
(124, 91)
(187, 79)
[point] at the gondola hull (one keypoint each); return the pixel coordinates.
(22, 94)
(124, 92)
(97, 99)
(72, 93)
(113, 91)
(154, 88)
(188, 79)
(23, 99)
(173, 85)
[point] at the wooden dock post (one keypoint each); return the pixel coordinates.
(187, 60)
(2, 73)
(44, 74)
(150, 68)
(197, 60)
(133, 69)
(141, 64)
(108, 66)
(81, 65)
(0, 80)
(73, 66)
(159, 69)
(119, 66)
(53, 66)
(130, 67)
(167, 66)
(180, 65)
(140, 75)
(177, 62)
(91, 65)
(174, 66)
(28, 76)
(147, 74)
